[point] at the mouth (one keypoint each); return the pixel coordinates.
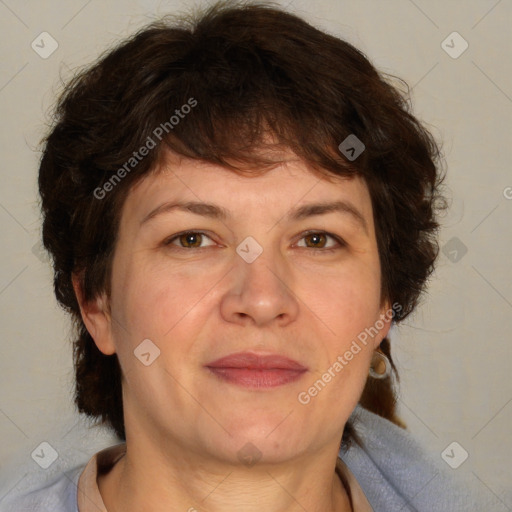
(256, 371)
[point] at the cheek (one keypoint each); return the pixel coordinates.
(165, 308)
(347, 301)
(347, 306)
(154, 301)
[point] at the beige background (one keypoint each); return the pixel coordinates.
(454, 355)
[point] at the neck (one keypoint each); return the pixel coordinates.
(153, 483)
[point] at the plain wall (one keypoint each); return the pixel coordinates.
(454, 354)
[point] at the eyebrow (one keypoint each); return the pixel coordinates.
(302, 212)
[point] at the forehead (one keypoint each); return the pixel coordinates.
(291, 182)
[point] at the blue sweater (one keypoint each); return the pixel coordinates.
(392, 469)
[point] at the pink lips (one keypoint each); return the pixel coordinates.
(257, 371)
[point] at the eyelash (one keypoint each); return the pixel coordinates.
(341, 242)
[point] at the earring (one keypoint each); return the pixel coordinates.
(380, 367)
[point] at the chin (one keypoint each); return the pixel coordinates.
(275, 441)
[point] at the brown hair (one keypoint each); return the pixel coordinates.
(245, 70)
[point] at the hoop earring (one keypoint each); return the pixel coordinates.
(380, 367)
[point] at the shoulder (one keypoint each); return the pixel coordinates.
(397, 473)
(58, 495)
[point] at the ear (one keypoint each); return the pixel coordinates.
(383, 323)
(96, 318)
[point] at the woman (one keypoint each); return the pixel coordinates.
(238, 207)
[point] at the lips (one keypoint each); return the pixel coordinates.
(256, 362)
(255, 370)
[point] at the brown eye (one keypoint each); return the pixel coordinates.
(187, 240)
(316, 239)
(194, 239)
(319, 239)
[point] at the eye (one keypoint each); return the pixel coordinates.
(187, 239)
(317, 240)
(314, 240)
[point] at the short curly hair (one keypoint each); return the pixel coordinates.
(243, 70)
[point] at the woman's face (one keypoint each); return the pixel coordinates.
(252, 281)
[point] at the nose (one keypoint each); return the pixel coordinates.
(260, 292)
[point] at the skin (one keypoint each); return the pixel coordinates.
(185, 426)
